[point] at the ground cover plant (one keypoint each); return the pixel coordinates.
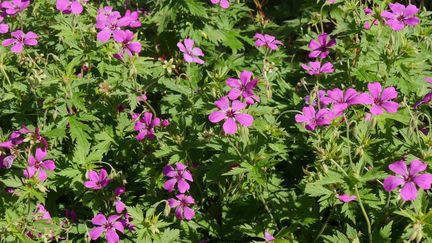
(215, 121)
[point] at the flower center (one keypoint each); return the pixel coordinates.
(230, 113)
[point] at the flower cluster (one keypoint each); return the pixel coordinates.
(110, 23)
(320, 48)
(19, 39)
(179, 176)
(332, 103)
(115, 222)
(230, 112)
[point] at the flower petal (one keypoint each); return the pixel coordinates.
(409, 192)
(229, 126)
(399, 167)
(391, 182)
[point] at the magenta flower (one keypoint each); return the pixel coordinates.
(312, 119)
(37, 165)
(97, 181)
(341, 100)
(70, 6)
(42, 213)
(367, 25)
(190, 53)
(133, 18)
(15, 6)
(401, 16)
(315, 68)
(6, 161)
(331, 1)
(380, 99)
(110, 25)
(119, 205)
(429, 80)
(16, 138)
(321, 47)
(108, 226)
(347, 198)
(145, 125)
(408, 180)
(268, 237)
(243, 87)
(230, 114)
(128, 47)
(223, 3)
(4, 28)
(367, 11)
(20, 40)
(179, 176)
(183, 211)
(426, 99)
(267, 40)
(165, 123)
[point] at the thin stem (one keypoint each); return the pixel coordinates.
(325, 225)
(369, 228)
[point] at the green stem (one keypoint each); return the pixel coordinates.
(369, 228)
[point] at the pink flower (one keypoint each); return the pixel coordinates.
(183, 211)
(223, 3)
(128, 47)
(165, 123)
(312, 119)
(4, 28)
(380, 99)
(15, 6)
(401, 16)
(331, 1)
(321, 47)
(145, 125)
(408, 180)
(110, 24)
(16, 138)
(268, 237)
(97, 181)
(42, 213)
(179, 176)
(243, 87)
(133, 17)
(6, 161)
(70, 6)
(230, 115)
(315, 68)
(426, 99)
(367, 25)
(190, 53)
(267, 40)
(341, 100)
(20, 39)
(429, 80)
(347, 198)
(37, 165)
(119, 205)
(367, 11)
(109, 227)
